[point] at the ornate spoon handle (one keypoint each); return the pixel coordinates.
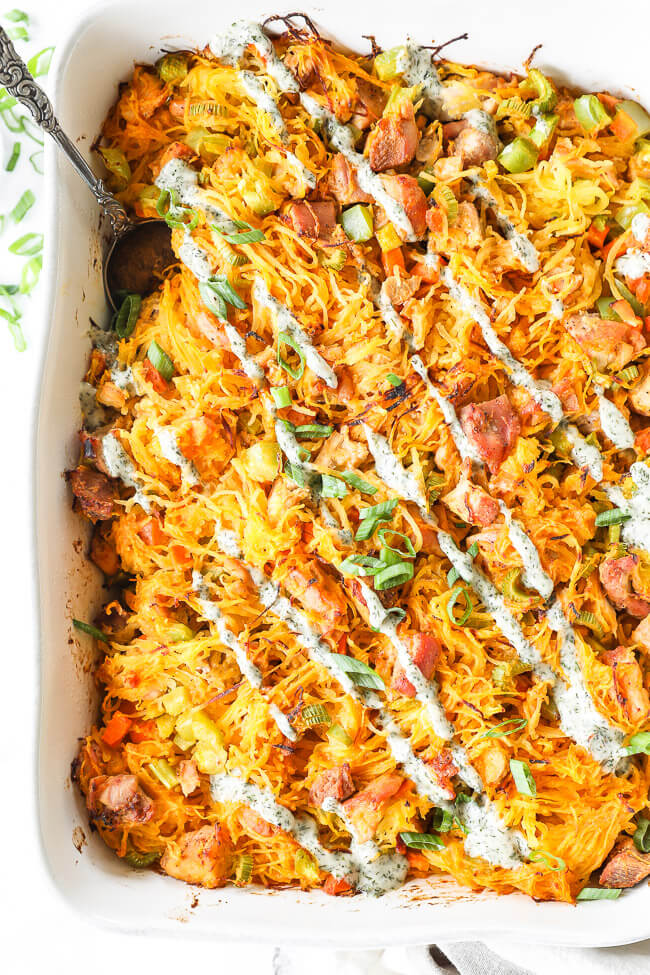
(16, 78)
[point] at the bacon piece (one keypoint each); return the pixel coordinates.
(626, 866)
(406, 191)
(366, 809)
(343, 184)
(611, 345)
(369, 105)
(397, 289)
(253, 822)
(203, 856)
(118, 800)
(315, 220)
(91, 444)
(641, 635)
(152, 375)
(188, 776)
(567, 395)
(393, 141)
(333, 783)
(319, 594)
(615, 575)
(425, 650)
(94, 492)
(149, 92)
(475, 147)
(628, 683)
(493, 428)
(471, 503)
(444, 769)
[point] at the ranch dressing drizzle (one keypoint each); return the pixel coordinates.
(417, 67)
(119, 464)
(266, 103)
(249, 671)
(636, 531)
(612, 422)
(170, 450)
(519, 375)
(640, 226)
(466, 448)
(230, 47)
(391, 471)
(634, 264)
(184, 181)
(288, 323)
(533, 576)
(93, 413)
(522, 247)
(584, 454)
(378, 873)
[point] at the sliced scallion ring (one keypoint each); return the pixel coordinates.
(24, 205)
(13, 158)
(358, 482)
(394, 575)
(315, 714)
(612, 517)
(422, 841)
(451, 602)
(361, 565)
(359, 673)
(549, 859)
(313, 431)
(639, 744)
(27, 246)
(332, 487)
(523, 779)
(90, 630)
(501, 730)
(296, 372)
(126, 317)
(599, 894)
(372, 516)
(160, 361)
(281, 396)
(246, 234)
(39, 64)
(410, 552)
(394, 380)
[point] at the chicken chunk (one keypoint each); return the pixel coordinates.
(203, 856)
(641, 635)
(425, 650)
(334, 783)
(405, 190)
(319, 594)
(626, 867)
(393, 141)
(611, 345)
(341, 452)
(471, 503)
(493, 428)
(118, 800)
(616, 577)
(252, 822)
(366, 809)
(188, 776)
(640, 395)
(469, 223)
(94, 493)
(368, 106)
(316, 220)
(628, 683)
(343, 183)
(476, 146)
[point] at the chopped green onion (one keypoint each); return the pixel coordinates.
(139, 860)
(24, 205)
(642, 835)
(163, 771)
(315, 714)
(394, 575)
(422, 841)
(117, 164)
(434, 485)
(27, 246)
(541, 856)
(243, 868)
(313, 431)
(426, 181)
(281, 396)
(13, 158)
(15, 16)
(296, 372)
(510, 586)
(126, 317)
(338, 732)
(519, 156)
(612, 517)
(410, 551)
(334, 260)
(452, 576)
(16, 331)
(172, 68)
(90, 630)
(359, 673)
(451, 602)
(371, 517)
(358, 483)
(441, 820)
(523, 778)
(36, 160)
(361, 565)
(30, 275)
(637, 115)
(591, 113)
(599, 894)
(501, 730)
(472, 551)
(160, 361)
(331, 487)
(639, 744)
(296, 473)
(18, 34)
(546, 96)
(247, 234)
(613, 537)
(174, 214)
(40, 63)
(390, 64)
(628, 374)
(388, 557)
(394, 380)
(357, 222)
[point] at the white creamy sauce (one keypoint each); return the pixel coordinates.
(640, 226)
(93, 413)
(418, 69)
(579, 718)
(634, 264)
(119, 464)
(518, 374)
(613, 424)
(584, 454)
(636, 531)
(195, 258)
(124, 379)
(522, 248)
(172, 452)
(176, 175)
(482, 121)
(533, 576)
(488, 838)
(377, 872)
(248, 670)
(237, 343)
(466, 448)
(286, 322)
(557, 308)
(391, 471)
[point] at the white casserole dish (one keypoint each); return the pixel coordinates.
(95, 58)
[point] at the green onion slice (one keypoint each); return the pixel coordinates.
(358, 482)
(612, 517)
(361, 565)
(36, 160)
(315, 714)
(410, 551)
(372, 516)
(442, 820)
(126, 317)
(160, 361)
(599, 894)
(313, 430)
(452, 576)
(30, 274)
(642, 835)
(90, 630)
(451, 602)
(331, 487)
(394, 380)
(472, 551)
(394, 575)
(501, 730)
(40, 63)
(24, 205)
(296, 372)
(139, 860)
(27, 246)
(296, 473)
(18, 34)
(15, 16)
(173, 213)
(247, 234)
(549, 859)
(523, 778)
(13, 158)
(422, 841)
(361, 674)
(639, 744)
(281, 396)
(338, 732)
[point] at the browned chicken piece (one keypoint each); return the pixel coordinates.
(399, 289)
(471, 503)
(616, 577)
(176, 150)
(610, 345)
(103, 552)
(118, 800)
(628, 683)
(333, 783)
(369, 105)
(316, 220)
(405, 190)
(341, 452)
(393, 141)
(626, 867)
(493, 427)
(640, 394)
(343, 184)
(318, 592)
(94, 493)
(188, 776)
(203, 856)
(475, 147)
(641, 635)
(366, 809)
(469, 223)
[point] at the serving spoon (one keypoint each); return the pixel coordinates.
(139, 251)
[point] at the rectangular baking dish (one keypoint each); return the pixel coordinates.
(97, 55)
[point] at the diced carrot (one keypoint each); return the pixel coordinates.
(426, 272)
(624, 127)
(625, 312)
(158, 382)
(307, 531)
(418, 861)
(179, 554)
(392, 259)
(342, 643)
(607, 248)
(334, 887)
(435, 222)
(142, 731)
(116, 729)
(642, 440)
(609, 101)
(152, 533)
(642, 290)
(199, 432)
(597, 237)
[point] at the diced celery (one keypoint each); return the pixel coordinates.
(116, 163)
(306, 868)
(172, 68)
(207, 144)
(176, 701)
(544, 130)
(519, 155)
(259, 198)
(389, 64)
(163, 772)
(178, 632)
(357, 222)
(184, 726)
(605, 310)
(626, 214)
(183, 743)
(637, 115)
(591, 113)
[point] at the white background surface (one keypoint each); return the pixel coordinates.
(38, 933)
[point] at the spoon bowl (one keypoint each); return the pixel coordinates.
(137, 260)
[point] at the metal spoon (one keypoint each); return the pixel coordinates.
(139, 252)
